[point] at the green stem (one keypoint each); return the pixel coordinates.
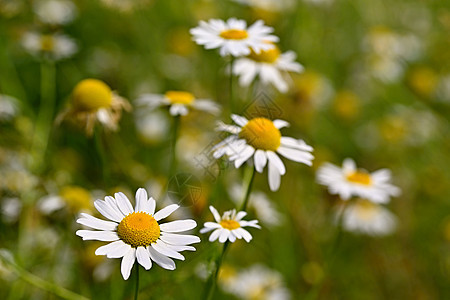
(212, 281)
(45, 116)
(99, 146)
(136, 291)
(37, 281)
(173, 158)
(250, 177)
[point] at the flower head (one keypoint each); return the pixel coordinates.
(229, 226)
(93, 100)
(364, 216)
(179, 102)
(136, 233)
(233, 37)
(349, 181)
(55, 12)
(55, 46)
(261, 138)
(270, 65)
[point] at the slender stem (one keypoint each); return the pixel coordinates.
(99, 146)
(250, 178)
(173, 157)
(212, 281)
(136, 291)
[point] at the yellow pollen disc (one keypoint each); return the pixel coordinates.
(265, 56)
(179, 97)
(262, 134)
(360, 177)
(234, 34)
(91, 94)
(139, 229)
(365, 209)
(47, 43)
(230, 224)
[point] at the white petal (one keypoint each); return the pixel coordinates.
(141, 199)
(260, 160)
(127, 263)
(297, 144)
(151, 205)
(96, 223)
(160, 259)
(104, 236)
(274, 177)
(244, 156)
(240, 215)
(143, 257)
(119, 250)
(181, 248)
(165, 212)
(280, 123)
(241, 121)
(178, 226)
(215, 214)
(179, 239)
(215, 234)
(232, 237)
(224, 235)
(162, 248)
(296, 155)
(123, 203)
(107, 211)
(114, 247)
(276, 161)
(245, 234)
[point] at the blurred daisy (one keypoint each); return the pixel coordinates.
(8, 107)
(91, 101)
(364, 216)
(261, 138)
(55, 12)
(229, 226)
(74, 198)
(271, 66)
(257, 282)
(269, 5)
(349, 181)
(233, 37)
(135, 234)
(53, 46)
(179, 102)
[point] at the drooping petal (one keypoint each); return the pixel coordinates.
(276, 161)
(104, 236)
(161, 260)
(143, 257)
(127, 263)
(274, 177)
(163, 248)
(260, 160)
(96, 223)
(215, 234)
(118, 247)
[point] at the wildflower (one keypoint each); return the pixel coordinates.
(178, 101)
(257, 282)
(270, 65)
(54, 46)
(229, 226)
(349, 181)
(261, 138)
(91, 101)
(74, 198)
(364, 216)
(269, 5)
(55, 12)
(136, 233)
(233, 37)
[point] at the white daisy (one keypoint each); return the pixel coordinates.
(54, 46)
(270, 65)
(364, 216)
(93, 100)
(349, 181)
(261, 138)
(233, 37)
(55, 12)
(179, 102)
(229, 226)
(136, 233)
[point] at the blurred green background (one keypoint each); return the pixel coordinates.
(376, 88)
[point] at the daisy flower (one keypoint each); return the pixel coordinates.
(270, 65)
(349, 181)
(55, 12)
(179, 102)
(55, 46)
(364, 216)
(233, 37)
(261, 138)
(92, 100)
(136, 234)
(229, 226)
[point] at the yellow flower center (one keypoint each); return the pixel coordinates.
(262, 134)
(76, 198)
(360, 177)
(234, 34)
(47, 43)
(230, 224)
(365, 209)
(179, 97)
(91, 94)
(265, 56)
(139, 229)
